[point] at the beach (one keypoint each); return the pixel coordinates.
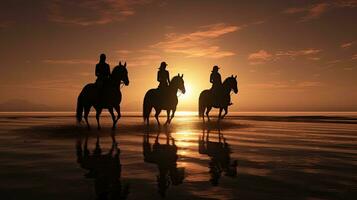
(255, 156)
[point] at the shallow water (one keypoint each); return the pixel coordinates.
(258, 157)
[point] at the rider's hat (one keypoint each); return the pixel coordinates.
(215, 68)
(162, 65)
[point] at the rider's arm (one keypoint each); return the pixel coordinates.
(211, 78)
(158, 76)
(96, 70)
(108, 70)
(168, 77)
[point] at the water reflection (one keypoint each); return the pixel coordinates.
(103, 168)
(165, 157)
(219, 153)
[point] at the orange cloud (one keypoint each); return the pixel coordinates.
(69, 61)
(85, 13)
(317, 10)
(310, 12)
(5, 24)
(290, 85)
(198, 43)
(354, 57)
(263, 56)
(303, 52)
(346, 45)
(259, 57)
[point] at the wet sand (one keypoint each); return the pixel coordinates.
(259, 157)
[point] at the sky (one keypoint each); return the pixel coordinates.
(292, 55)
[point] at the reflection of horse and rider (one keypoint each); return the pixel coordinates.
(165, 157)
(219, 153)
(104, 169)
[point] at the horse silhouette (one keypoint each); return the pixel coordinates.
(165, 157)
(219, 153)
(221, 100)
(105, 169)
(107, 97)
(163, 99)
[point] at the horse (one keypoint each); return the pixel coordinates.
(163, 99)
(207, 99)
(109, 97)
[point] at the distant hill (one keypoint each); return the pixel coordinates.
(18, 105)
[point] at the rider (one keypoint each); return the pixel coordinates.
(163, 76)
(215, 78)
(216, 81)
(102, 71)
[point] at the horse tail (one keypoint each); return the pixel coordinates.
(201, 107)
(80, 107)
(147, 106)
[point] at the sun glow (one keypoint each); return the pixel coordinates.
(190, 98)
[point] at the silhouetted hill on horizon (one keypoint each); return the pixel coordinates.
(14, 105)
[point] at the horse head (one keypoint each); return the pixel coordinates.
(178, 83)
(231, 83)
(120, 73)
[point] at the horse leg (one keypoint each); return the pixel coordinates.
(117, 108)
(99, 111)
(207, 113)
(220, 114)
(225, 111)
(86, 113)
(113, 117)
(157, 113)
(168, 112)
(172, 115)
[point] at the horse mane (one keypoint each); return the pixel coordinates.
(174, 78)
(117, 68)
(226, 80)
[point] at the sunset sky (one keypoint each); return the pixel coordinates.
(288, 55)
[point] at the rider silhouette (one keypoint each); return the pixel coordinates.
(215, 78)
(163, 76)
(102, 71)
(216, 81)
